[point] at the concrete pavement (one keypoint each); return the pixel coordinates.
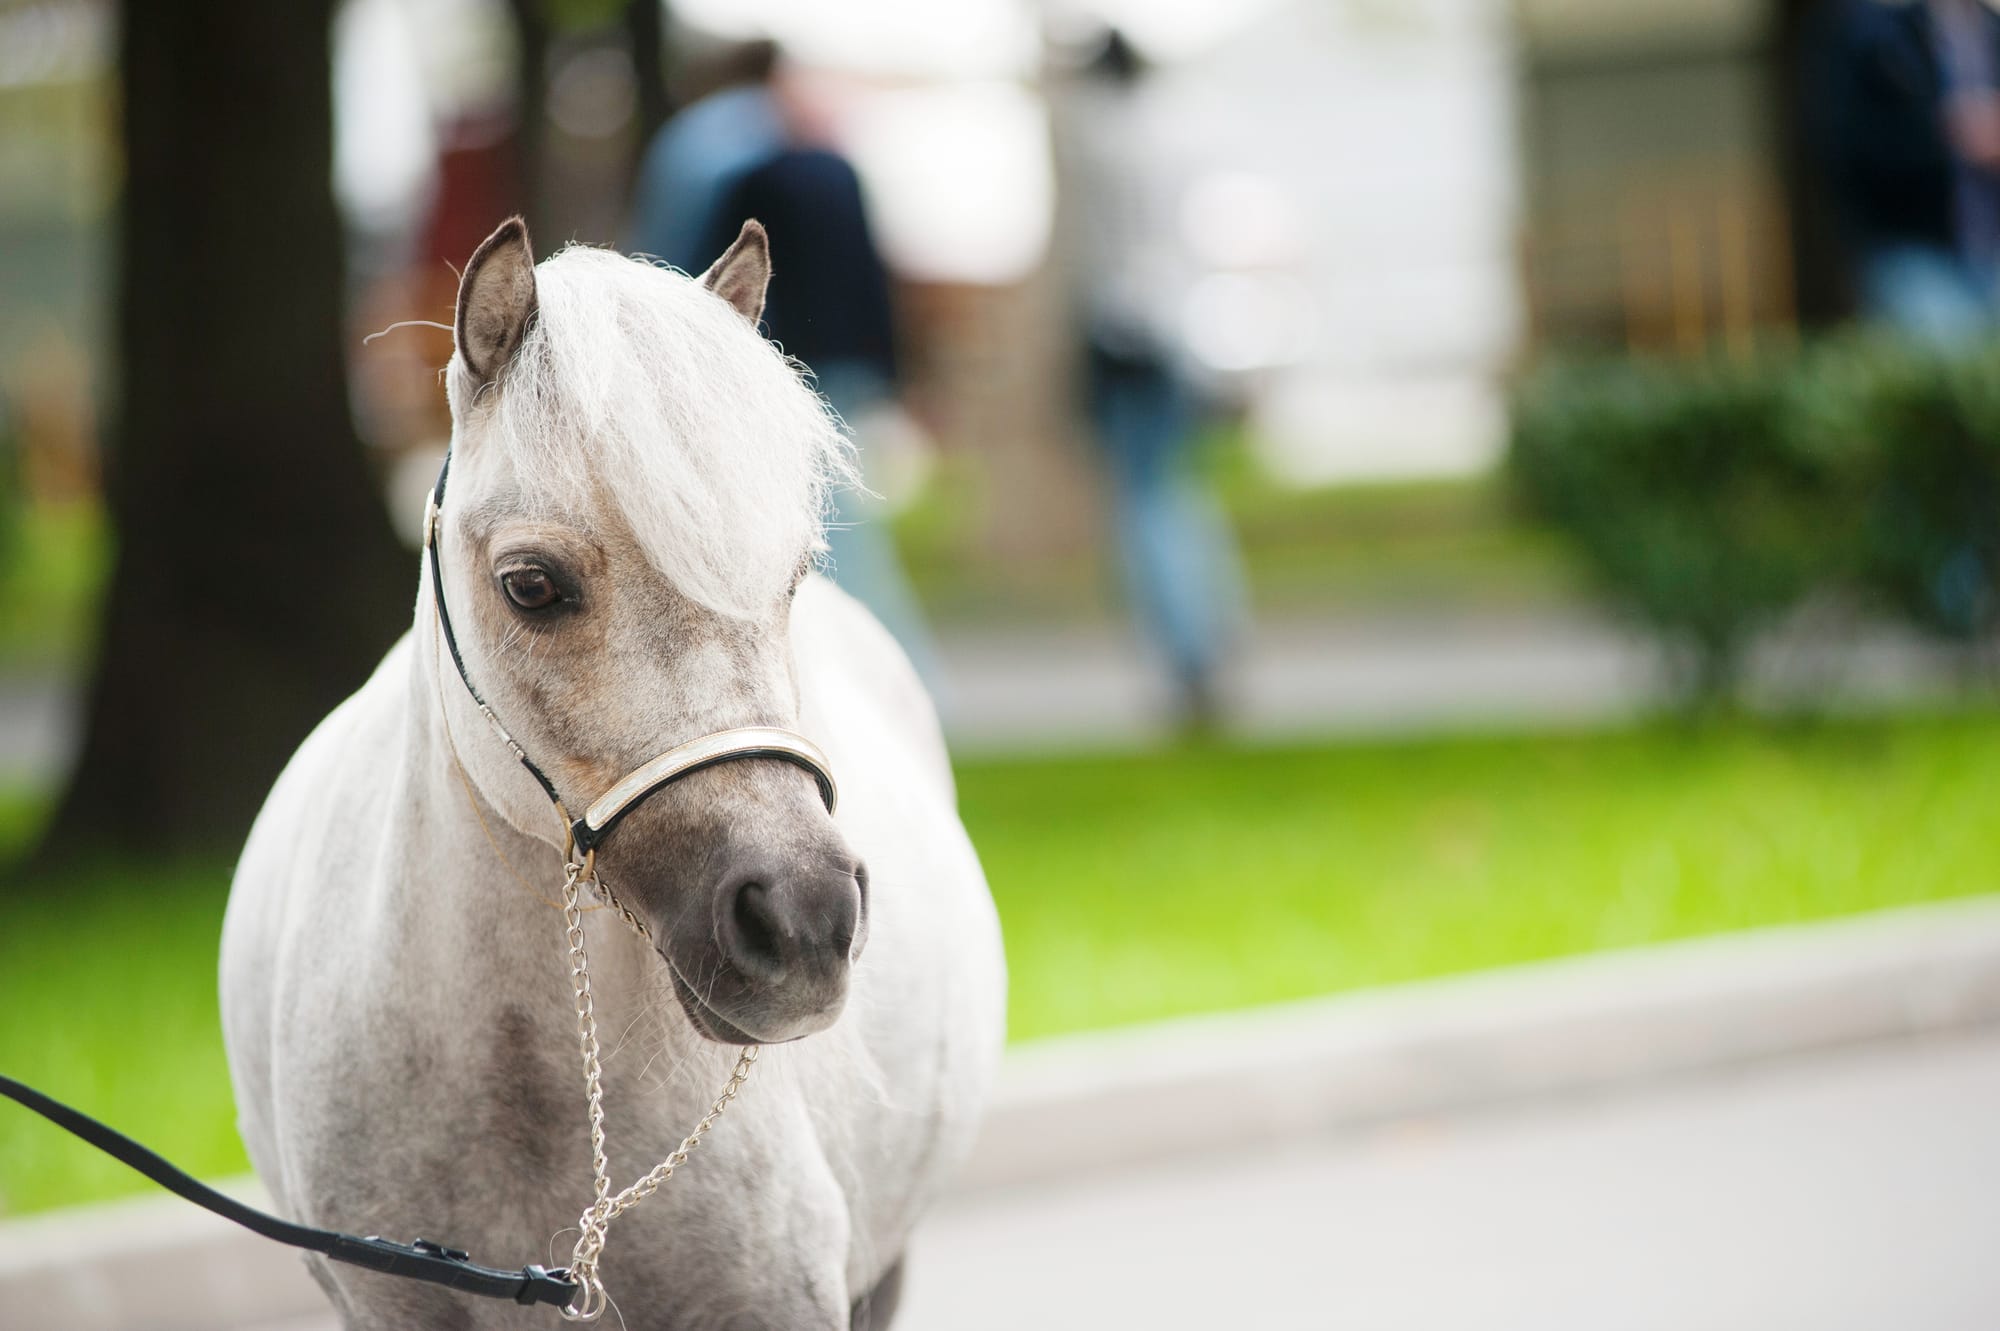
(1853, 1191)
(1858, 1189)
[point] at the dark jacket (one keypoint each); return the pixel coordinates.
(829, 294)
(1874, 114)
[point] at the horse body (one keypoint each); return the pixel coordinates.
(396, 989)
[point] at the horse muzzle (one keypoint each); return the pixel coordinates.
(781, 948)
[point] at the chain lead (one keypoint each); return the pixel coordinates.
(595, 1222)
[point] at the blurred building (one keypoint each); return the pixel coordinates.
(1350, 213)
(1357, 213)
(56, 188)
(1662, 205)
(1388, 201)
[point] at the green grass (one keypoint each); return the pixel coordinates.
(107, 980)
(1142, 886)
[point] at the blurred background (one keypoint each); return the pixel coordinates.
(1381, 490)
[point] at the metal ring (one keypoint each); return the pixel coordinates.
(592, 1297)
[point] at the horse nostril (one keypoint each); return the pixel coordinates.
(758, 940)
(799, 931)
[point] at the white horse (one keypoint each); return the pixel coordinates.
(624, 552)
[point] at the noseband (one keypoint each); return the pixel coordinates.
(587, 833)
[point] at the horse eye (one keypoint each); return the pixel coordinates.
(530, 588)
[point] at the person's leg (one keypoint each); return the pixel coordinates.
(1925, 292)
(1179, 563)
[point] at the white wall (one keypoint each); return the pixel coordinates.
(1392, 126)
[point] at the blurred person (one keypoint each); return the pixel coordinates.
(700, 153)
(829, 306)
(1181, 567)
(1903, 107)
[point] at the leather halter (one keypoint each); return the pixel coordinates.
(588, 832)
(576, 1290)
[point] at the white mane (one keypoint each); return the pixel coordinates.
(639, 387)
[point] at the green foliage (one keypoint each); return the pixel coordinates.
(1686, 489)
(1921, 432)
(53, 575)
(580, 15)
(1134, 887)
(1710, 497)
(10, 494)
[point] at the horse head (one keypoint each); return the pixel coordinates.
(638, 487)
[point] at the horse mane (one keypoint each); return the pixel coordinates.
(638, 387)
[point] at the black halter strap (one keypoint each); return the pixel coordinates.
(589, 831)
(432, 541)
(421, 1259)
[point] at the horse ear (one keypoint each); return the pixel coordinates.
(496, 299)
(743, 271)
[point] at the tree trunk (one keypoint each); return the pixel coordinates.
(645, 30)
(257, 579)
(531, 131)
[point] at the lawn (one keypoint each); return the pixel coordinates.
(1140, 886)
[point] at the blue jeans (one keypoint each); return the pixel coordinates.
(1926, 291)
(1180, 561)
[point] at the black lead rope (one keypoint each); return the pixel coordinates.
(421, 1259)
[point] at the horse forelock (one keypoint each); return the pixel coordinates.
(639, 388)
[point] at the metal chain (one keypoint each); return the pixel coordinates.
(611, 901)
(595, 1223)
(591, 1299)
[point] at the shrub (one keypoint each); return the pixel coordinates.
(1692, 496)
(1710, 496)
(1924, 432)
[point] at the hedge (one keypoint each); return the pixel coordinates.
(1710, 497)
